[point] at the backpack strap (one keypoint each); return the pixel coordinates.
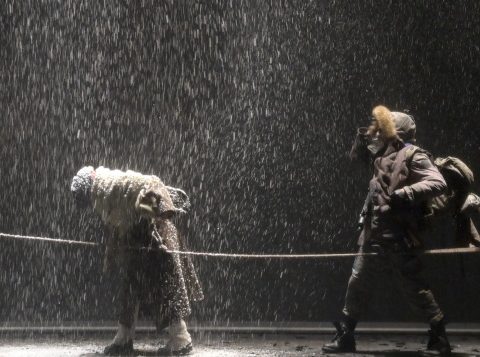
(410, 152)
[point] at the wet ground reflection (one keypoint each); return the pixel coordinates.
(218, 345)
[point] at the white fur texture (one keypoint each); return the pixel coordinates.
(115, 194)
(178, 336)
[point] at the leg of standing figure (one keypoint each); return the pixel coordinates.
(122, 343)
(360, 287)
(421, 299)
(135, 321)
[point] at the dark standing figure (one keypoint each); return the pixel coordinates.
(139, 210)
(458, 202)
(404, 179)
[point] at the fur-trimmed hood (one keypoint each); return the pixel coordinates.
(383, 123)
(122, 197)
(391, 125)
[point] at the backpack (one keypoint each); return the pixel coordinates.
(454, 168)
(458, 176)
(460, 179)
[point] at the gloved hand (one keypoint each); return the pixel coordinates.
(147, 203)
(359, 148)
(399, 200)
(471, 205)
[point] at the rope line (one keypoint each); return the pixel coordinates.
(319, 255)
(271, 256)
(55, 240)
(464, 250)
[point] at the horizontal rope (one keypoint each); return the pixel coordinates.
(271, 256)
(319, 255)
(54, 240)
(464, 250)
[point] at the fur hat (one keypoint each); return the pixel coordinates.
(383, 123)
(392, 125)
(82, 184)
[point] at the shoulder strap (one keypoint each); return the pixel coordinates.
(411, 150)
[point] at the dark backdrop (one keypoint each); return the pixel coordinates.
(251, 107)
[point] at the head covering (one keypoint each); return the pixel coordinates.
(82, 184)
(405, 126)
(383, 123)
(391, 125)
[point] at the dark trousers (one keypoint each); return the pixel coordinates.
(144, 280)
(400, 264)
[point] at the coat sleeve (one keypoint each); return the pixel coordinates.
(426, 181)
(359, 151)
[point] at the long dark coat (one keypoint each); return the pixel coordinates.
(139, 209)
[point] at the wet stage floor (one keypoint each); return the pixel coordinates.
(219, 345)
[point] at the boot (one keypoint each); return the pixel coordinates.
(438, 342)
(344, 340)
(122, 344)
(179, 342)
(125, 349)
(168, 351)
